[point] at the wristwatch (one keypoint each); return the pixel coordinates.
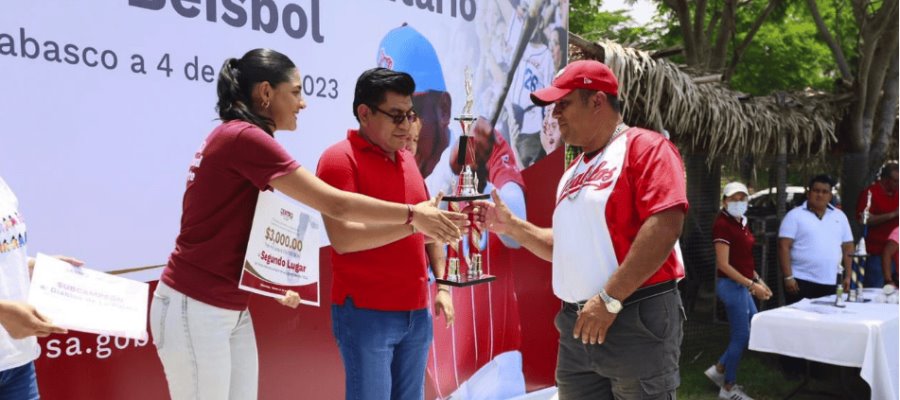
(612, 305)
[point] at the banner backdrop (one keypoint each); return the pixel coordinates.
(105, 102)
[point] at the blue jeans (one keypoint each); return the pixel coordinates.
(19, 383)
(384, 352)
(739, 307)
(874, 274)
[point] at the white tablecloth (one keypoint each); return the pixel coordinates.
(860, 335)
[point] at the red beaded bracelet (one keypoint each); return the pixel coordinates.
(409, 215)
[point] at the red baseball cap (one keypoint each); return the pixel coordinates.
(582, 74)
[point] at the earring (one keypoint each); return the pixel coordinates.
(266, 104)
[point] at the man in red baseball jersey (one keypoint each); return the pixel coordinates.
(619, 212)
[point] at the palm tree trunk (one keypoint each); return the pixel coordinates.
(703, 188)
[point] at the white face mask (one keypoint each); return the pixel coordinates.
(736, 209)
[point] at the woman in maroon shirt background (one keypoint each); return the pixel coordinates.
(737, 282)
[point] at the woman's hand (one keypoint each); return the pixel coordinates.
(21, 320)
(441, 225)
(291, 299)
(71, 260)
(760, 290)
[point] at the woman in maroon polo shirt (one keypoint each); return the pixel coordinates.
(199, 318)
(737, 282)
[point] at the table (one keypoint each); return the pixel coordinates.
(862, 335)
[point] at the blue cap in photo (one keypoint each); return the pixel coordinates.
(404, 49)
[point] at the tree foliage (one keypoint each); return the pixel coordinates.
(785, 55)
(846, 47)
(588, 21)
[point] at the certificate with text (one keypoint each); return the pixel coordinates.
(283, 250)
(86, 300)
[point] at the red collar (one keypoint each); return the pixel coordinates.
(359, 142)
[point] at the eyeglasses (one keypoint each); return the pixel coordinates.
(398, 119)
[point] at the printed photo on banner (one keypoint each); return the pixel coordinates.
(283, 250)
(85, 300)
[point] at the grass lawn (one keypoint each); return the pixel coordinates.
(759, 373)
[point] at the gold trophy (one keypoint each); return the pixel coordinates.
(466, 260)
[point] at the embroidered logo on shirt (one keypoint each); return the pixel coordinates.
(195, 164)
(596, 176)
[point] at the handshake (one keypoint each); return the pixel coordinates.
(447, 226)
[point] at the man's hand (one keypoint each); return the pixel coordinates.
(444, 303)
(593, 322)
(291, 299)
(21, 320)
(441, 225)
(791, 286)
(496, 216)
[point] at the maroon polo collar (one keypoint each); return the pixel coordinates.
(731, 218)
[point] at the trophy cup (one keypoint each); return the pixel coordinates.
(466, 260)
(839, 290)
(860, 257)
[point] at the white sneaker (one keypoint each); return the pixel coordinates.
(714, 375)
(734, 394)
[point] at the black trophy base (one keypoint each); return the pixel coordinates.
(465, 281)
(470, 197)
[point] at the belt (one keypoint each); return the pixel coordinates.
(639, 295)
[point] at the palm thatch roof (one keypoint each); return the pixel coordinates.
(708, 117)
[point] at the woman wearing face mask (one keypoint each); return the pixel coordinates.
(737, 282)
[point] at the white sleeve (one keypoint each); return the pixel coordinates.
(788, 228)
(847, 233)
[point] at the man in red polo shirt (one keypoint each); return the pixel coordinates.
(379, 296)
(881, 221)
(619, 212)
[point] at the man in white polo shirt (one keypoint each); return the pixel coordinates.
(814, 241)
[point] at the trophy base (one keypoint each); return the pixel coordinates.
(467, 197)
(465, 281)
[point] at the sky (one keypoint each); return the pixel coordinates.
(641, 12)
